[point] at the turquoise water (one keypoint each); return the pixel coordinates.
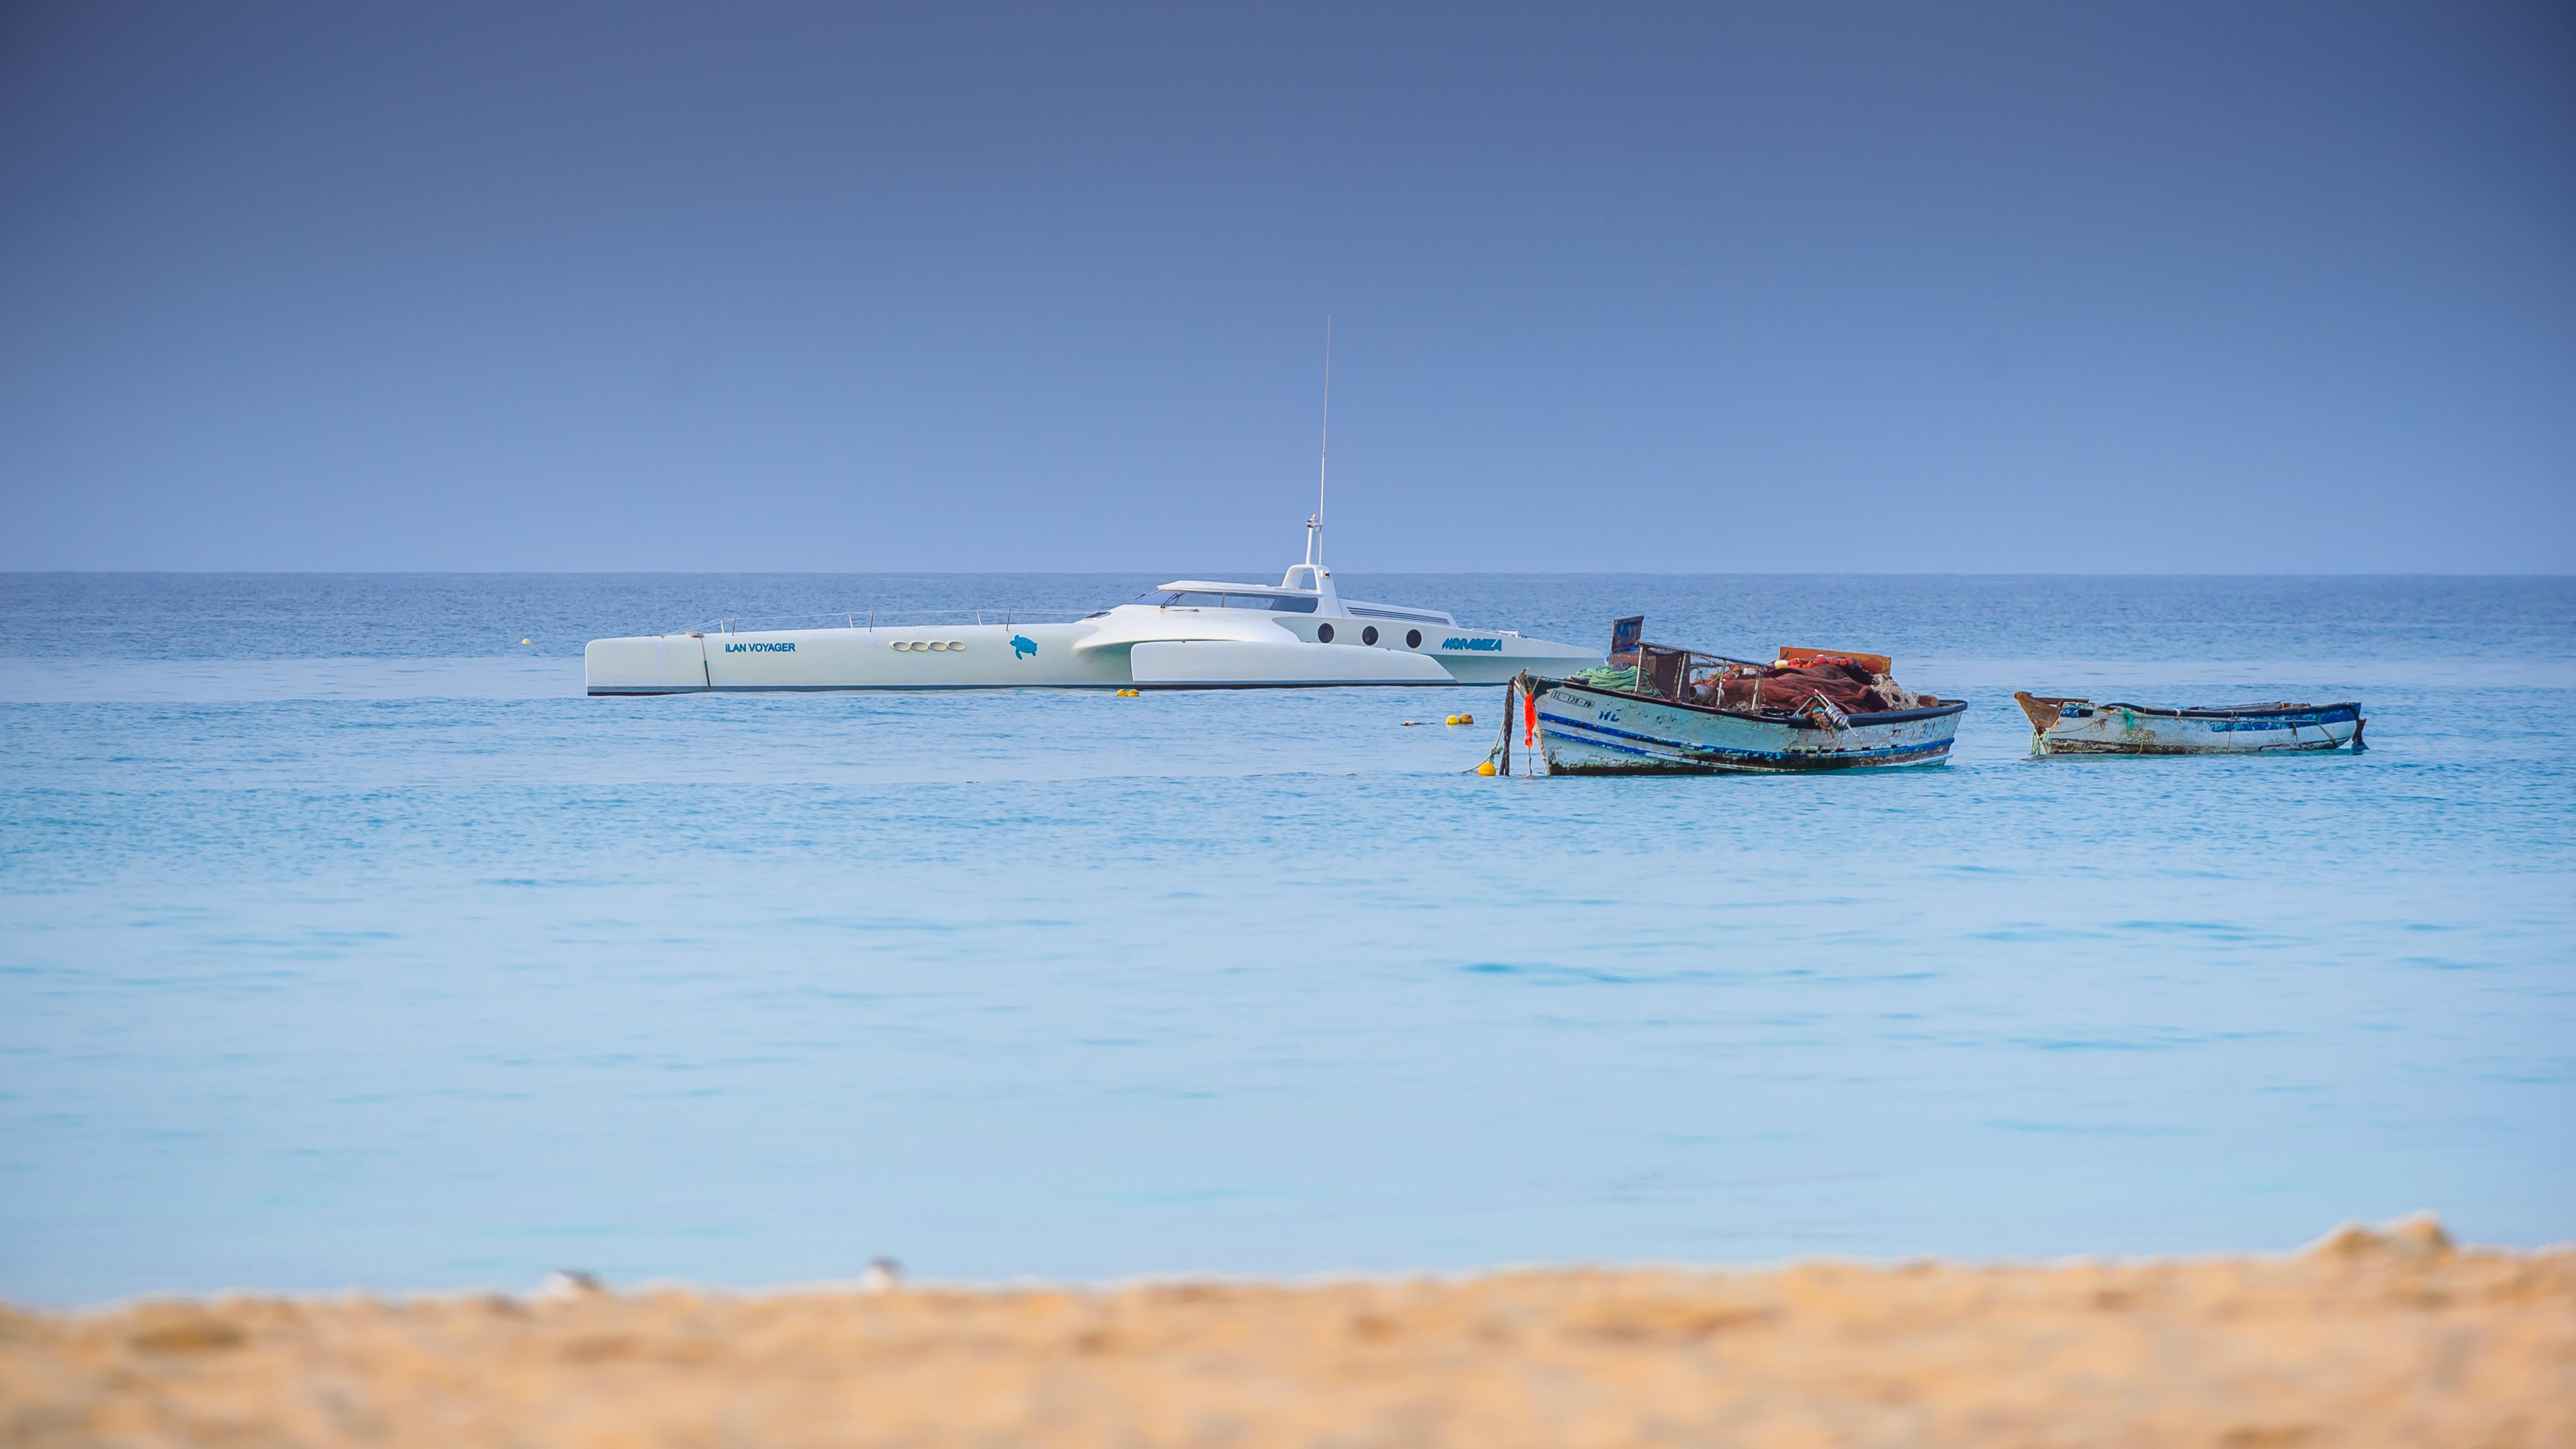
(343, 942)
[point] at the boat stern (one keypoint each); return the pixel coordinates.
(649, 664)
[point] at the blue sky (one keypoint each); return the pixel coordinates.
(1883, 288)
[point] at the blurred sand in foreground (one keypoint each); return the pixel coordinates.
(2370, 1338)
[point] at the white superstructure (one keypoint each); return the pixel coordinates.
(1187, 634)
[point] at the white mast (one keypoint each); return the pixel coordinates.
(1323, 455)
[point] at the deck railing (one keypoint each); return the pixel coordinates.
(892, 619)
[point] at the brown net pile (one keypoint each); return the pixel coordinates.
(1847, 684)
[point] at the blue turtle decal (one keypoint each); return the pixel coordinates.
(1023, 647)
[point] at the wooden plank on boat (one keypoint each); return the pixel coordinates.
(1874, 663)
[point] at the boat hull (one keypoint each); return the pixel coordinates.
(1587, 731)
(2081, 727)
(1148, 651)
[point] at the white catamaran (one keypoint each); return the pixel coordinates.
(1187, 634)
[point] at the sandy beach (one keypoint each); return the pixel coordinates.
(2371, 1337)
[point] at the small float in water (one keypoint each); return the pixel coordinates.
(2062, 726)
(1657, 709)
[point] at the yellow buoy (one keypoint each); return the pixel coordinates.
(1126, 694)
(523, 641)
(1486, 768)
(1453, 719)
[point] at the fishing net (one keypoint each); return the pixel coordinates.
(1805, 685)
(1623, 680)
(1847, 685)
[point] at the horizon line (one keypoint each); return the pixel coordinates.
(1448, 573)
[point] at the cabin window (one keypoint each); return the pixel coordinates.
(1201, 599)
(1369, 634)
(1412, 638)
(1324, 633)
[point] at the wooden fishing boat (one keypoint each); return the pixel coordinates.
(1663, 710)
(2061, 726)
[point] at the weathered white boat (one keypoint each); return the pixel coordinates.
(1671, 715)
(1188, 634)
(2062, 726)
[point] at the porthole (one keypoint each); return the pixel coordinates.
(1369, 634)
(1412, 638)
(1324, 633)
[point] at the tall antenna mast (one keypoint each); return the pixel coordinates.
(1323, 454)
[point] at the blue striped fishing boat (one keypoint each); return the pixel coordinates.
(1588, 731)
(1663, 710)
(2062, 726)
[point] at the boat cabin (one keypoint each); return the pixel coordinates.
(1285, 598)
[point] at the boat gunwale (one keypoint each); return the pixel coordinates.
(1791, 721)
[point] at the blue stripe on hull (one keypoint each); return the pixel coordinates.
(2216, 722)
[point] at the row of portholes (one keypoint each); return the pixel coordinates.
(1412, 637)
(929, 644)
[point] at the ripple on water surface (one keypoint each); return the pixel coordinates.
(398, 962)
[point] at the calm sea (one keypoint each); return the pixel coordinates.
(343, 942)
